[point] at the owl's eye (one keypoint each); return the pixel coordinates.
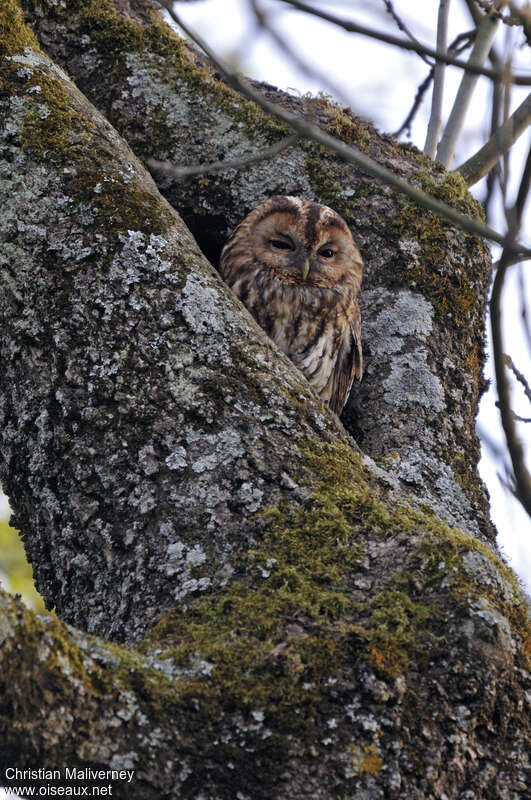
(326, 252)
(280, 244)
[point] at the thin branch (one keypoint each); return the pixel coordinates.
(504, 173)
(181, 173)
(348, 153)
(520, 377)
(516, 418)
(460, 43)
(524, 313)
(303, 65)
(421, 91)
(518, 17)
(477, 16)
(494, 174)
(511, 260)
(516, 451)
(354, 27)
(485, 35)
(435, 121)
(403, 27)
(477, 166)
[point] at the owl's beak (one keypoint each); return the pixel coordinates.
(305, 268)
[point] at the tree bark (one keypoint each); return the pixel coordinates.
(300, 630)
(425, 282)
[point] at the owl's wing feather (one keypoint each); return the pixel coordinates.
(349, 364)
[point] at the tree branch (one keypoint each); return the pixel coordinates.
(403, 27)
(180, 173)
(302, 64)
(520, 377)
(477, 166)
(460, 43)
(348, 153)
(435, 121)
(454, 125)
(354, 27)
(421, 91)
(146, 421)
(516, 452)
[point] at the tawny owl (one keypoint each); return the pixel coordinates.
(295, 265)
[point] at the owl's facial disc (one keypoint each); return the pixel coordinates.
(311, 248)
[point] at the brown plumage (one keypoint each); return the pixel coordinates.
(295, 265)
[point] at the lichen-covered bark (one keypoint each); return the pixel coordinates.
(389, 662)
(145, 416)
(425, 283)
(298, 633)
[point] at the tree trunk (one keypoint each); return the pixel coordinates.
(425, 282)
(299, 629)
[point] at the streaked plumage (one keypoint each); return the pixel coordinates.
(295, 265)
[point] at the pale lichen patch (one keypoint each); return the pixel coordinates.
(409, 314)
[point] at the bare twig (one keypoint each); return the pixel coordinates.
(435, 121)
(477, 166)
(520, 377)
(485, 35)
(521, 475)
(504, 182)
(524, 313)
(348, 153)
(421, 91)
(520, 17)
(354, 27)
(304, 65)
(477, 16)
(403, 27)
(494, 173)
(518, 418)
(460, 43)
(221, 166)
(515, 258)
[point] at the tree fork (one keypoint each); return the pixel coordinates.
(175, 479)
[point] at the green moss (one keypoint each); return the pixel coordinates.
(50, 122)
(114, 37)
(365, 760)
(454, 292)
(118, 205)
(14, 35)
(341, 124)
(283, 641)
(289, 622)
(397, 628)
(324, 181)
(461, 462)
(67, 669)
(452, 189)
(273, 638)
(466, 587)
(53, 130)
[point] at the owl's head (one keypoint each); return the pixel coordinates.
(301, 242)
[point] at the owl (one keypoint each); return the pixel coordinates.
(296, 267)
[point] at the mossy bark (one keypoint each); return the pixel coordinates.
(425, 283)
(297, 632)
